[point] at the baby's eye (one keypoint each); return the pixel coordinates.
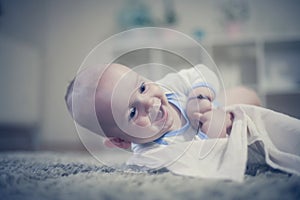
(142, 87)
(132, 113)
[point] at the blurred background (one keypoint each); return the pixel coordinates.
(43, 43)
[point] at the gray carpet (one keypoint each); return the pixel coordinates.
(48, 175)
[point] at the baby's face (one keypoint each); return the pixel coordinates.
(135, 108)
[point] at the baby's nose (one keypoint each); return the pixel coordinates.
(145, 101)
(154, 110)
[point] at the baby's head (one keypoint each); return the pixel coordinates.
(129, 107)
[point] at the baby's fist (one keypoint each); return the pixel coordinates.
(216, 123)
(195, 109)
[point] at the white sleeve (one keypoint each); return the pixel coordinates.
(187, 79)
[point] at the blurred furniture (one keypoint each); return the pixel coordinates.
(267, 63)
(18, 137)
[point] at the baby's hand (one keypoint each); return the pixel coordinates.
(216, 123)
(195, 108)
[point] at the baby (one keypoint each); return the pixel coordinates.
(138, 113)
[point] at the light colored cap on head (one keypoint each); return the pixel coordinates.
(82, 98)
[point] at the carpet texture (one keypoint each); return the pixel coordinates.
(49, 175)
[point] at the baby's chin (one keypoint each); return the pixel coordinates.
(146, 140)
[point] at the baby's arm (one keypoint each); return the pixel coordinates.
(215, 122)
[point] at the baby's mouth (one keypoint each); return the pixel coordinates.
(155, 112)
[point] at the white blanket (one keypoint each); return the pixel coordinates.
(272, 135)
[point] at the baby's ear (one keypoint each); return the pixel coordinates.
(113, 142)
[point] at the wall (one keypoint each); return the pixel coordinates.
(73, 29)
(21, 55)
(19, 94)
(265, 16)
